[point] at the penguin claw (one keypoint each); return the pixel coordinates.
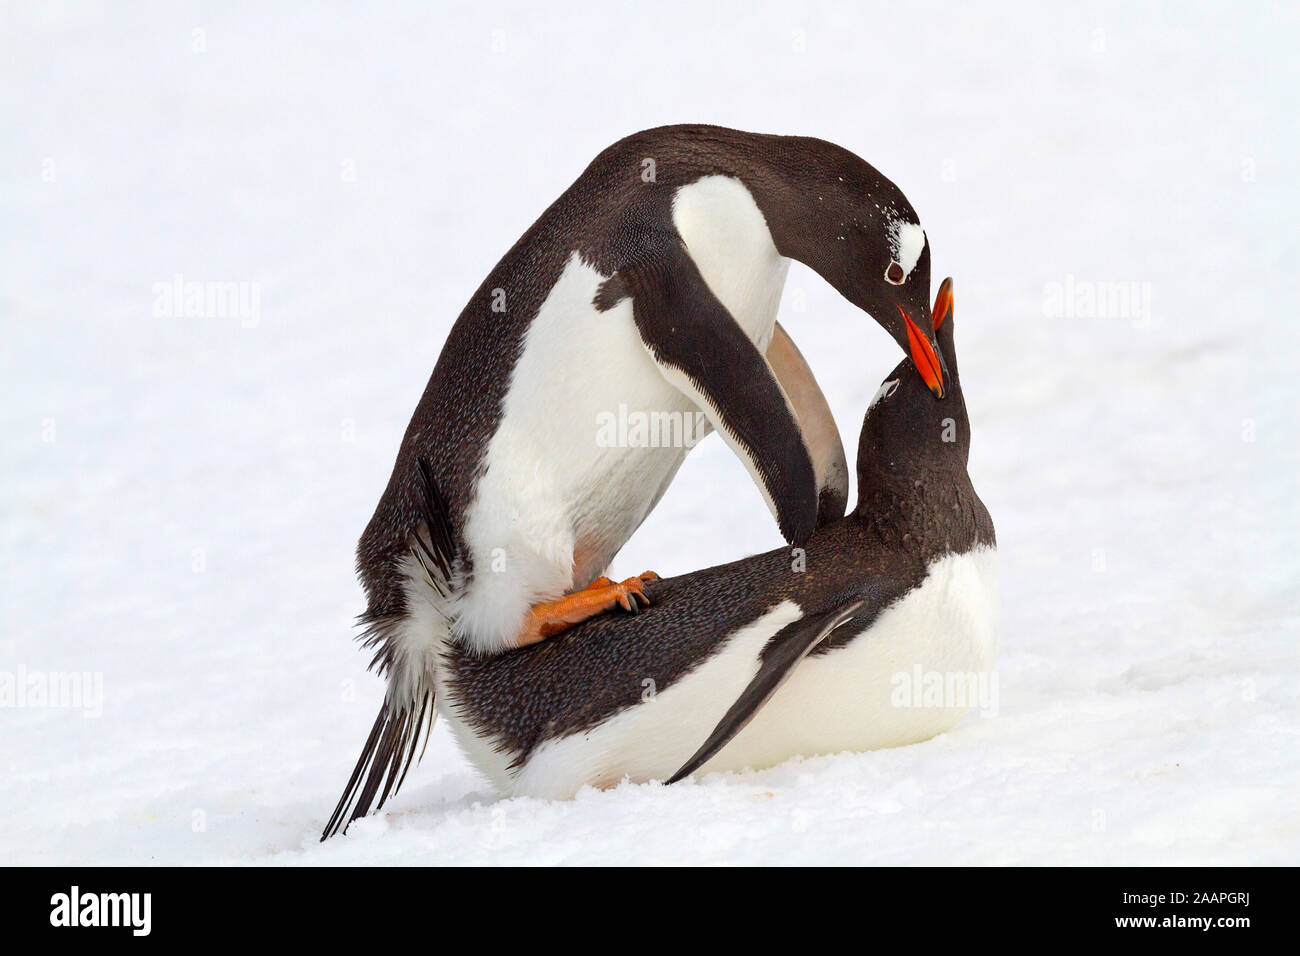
(631, 597)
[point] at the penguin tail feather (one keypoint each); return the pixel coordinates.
(385, 759)
(436, 548)
(408, 710)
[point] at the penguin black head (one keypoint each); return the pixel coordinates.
(908, 434)
(838, 215)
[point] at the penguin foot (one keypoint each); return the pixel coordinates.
(601, 595)
(604, 582)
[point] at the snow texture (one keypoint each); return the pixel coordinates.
(1112, 189)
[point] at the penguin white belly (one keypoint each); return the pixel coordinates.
(857, 697)
(920, 667)
(552, 483)
(591, 431)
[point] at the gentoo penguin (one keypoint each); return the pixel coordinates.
(750, 663)
(650, 287)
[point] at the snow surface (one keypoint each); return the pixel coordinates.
(181, 496)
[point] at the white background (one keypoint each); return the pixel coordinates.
(181, 496)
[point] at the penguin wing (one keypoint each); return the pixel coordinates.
(787, 648)
(703, 352)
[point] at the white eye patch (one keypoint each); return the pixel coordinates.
(906, 240)
(885, 390)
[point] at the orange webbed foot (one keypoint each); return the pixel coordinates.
(601, 595)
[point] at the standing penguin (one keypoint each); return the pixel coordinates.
(651, 285)
(750, 663)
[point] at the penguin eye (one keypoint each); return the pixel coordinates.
(895, 275)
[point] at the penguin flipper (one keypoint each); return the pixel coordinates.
(820, 433)
(787, 648)
(703, 352)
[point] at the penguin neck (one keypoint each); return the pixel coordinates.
(912, 453)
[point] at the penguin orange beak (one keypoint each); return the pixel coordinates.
(942, 303)
(924, 356)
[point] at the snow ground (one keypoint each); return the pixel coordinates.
(181, 496)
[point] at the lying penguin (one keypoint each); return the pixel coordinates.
(750, 663)
(651, 284)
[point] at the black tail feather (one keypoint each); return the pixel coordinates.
(440, 550)
(386, 757)
(394, 740)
